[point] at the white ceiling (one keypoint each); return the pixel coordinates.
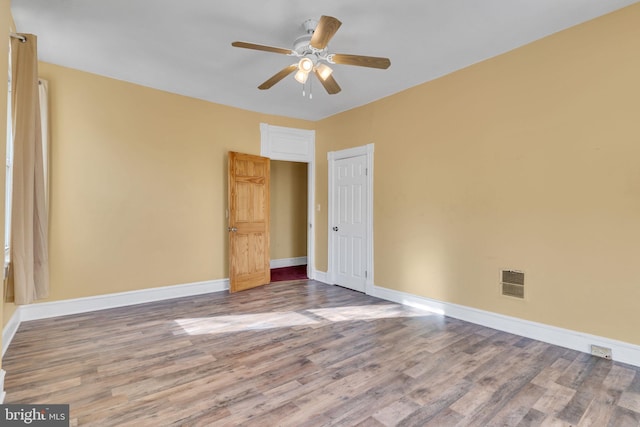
(185, 46)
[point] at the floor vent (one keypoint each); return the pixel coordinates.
(512, 283)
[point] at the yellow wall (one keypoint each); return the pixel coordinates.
(528, 161)
(288, 209)
(138, 183)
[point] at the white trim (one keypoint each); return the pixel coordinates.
(332, 156)
(370, 246)
(622, 351)
(288, 262)
(311, 216)
(289, 144)
(321, 276)
(10, 330)
(47, 310)
(2, 392)
(295, 145)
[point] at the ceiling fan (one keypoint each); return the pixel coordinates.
(312, 49)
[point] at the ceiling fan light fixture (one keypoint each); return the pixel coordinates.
(305, 65)
(324, 71)
(301, 76)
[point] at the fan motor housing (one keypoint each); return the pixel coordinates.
(301, 44)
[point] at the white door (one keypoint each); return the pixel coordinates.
(349, 226)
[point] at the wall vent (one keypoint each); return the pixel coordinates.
(512, 283)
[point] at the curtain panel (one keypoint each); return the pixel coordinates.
(29, 216)
(43, 89)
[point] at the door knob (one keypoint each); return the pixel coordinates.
(335, 228)
(233, 229)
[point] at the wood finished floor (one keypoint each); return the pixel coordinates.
(307, 354)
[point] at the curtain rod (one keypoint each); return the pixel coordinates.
(18, 36)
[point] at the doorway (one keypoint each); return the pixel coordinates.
(288, 221)
(295, 145)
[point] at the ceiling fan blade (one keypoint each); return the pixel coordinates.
(360, 61)
(278, 76)
(262, 47)
(327, 27)
(329, 83)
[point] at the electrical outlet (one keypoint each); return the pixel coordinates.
(603, 352)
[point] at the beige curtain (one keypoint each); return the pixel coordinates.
(29, 217)
(43, 97)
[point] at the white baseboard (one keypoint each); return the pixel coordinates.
(10, 330)
(288, 262)
(47, 310)
(2, 392)
(622, 351)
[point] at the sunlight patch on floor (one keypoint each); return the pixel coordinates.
(316, 317)
(243, 322)
(365, 312)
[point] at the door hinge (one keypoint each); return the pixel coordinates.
(365, 274)
(366, 171)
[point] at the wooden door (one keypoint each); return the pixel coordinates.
(350, 222)
(248, 221)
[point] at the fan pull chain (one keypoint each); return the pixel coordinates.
(304, 92)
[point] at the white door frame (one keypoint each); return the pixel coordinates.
(295, 145)
(332, 156)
